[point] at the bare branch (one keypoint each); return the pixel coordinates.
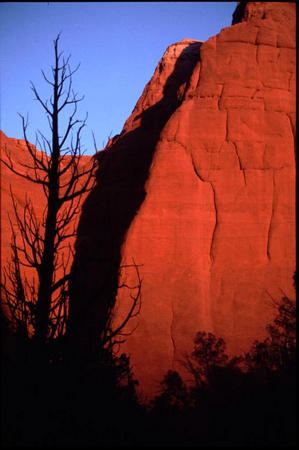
(43, 243)
(44, 105)
(134, 310)
(11, 166)
(46, 79)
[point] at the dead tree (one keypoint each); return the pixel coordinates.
(39, 304)
(113, 335)
(96, 329)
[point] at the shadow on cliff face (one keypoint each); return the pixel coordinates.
(239, 12)
(111, 207)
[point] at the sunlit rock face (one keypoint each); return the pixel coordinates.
(15, 152)
(213, 229)
(20, 187)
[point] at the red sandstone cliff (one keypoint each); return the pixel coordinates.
(216, 231)
(199, 190)
(22, 189)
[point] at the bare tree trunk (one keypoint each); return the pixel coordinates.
(47, 263)
(43, 245)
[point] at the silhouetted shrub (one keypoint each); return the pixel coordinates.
(248, 399)
(174, 394)
(208, 353)
(278, 350)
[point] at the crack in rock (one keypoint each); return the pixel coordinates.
(212, 256)
(271, 217)
(172, 334)
(240, 163)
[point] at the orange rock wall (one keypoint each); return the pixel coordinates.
(23, 189)
(215, 234)
(20, 188)
(199, 190)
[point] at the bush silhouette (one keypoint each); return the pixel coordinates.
(278, 350)
(248, 399)
(208, 353)
(174, 394)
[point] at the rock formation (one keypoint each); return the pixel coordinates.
(22, 189)
(199, 190)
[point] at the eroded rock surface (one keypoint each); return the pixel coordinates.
(199, 189)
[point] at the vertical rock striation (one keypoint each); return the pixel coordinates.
(199, 189)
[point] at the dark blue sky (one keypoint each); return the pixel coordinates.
(118, 44)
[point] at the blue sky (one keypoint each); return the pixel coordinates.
(117, 43)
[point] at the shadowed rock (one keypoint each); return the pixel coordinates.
(199, 190)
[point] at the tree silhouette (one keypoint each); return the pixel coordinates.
(208, 353)
(278, 350)
(174, 393)
(113, 335)
(39, 306)
(248, 399)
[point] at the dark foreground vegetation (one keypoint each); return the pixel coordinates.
(242, 401)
